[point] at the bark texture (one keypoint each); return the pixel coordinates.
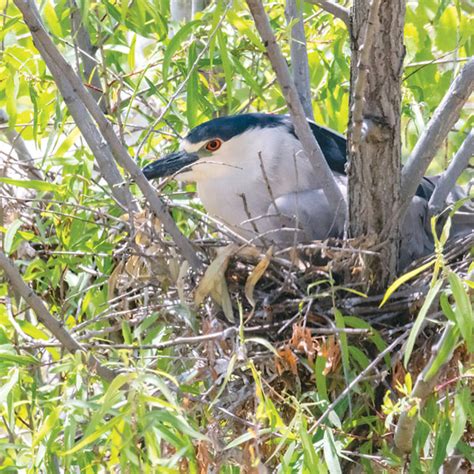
(375, 154)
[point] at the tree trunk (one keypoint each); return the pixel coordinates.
(375, 153)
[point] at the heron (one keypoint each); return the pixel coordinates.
(251, 173)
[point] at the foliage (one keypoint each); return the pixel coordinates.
(166, 411)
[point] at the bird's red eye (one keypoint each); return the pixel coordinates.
(213, 145)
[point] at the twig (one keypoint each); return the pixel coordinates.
(62, 70)
(51, 323)
(435, 132)
(324, 178)
(337, 10)
(421, 391)
(362, 70)
(345, 392)
(299, 54)
(188, 340)
(448, 179)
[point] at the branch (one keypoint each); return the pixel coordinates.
(86, 52)
(299, 54)
(362, 70)
(336, 10)
(17, 144)
(444, 117)
(51, 323)
(61, 70)
(324, 177)
(423, 388)
(448, 179)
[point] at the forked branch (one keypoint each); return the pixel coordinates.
(448, 180)
(444, 117)
(336, 10)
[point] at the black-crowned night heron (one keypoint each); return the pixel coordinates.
(251, 173)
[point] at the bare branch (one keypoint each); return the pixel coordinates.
(87, 52)
(448, 179)
(325, 179)
(421, 391)
(62, 70)
(51, 323)
(299, 54)
(17, 144)
(444, 117)
(362, 70)
(337, 10)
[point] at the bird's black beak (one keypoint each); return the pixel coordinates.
(169, 165)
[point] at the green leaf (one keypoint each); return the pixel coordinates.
(175, 43)
(263, 342)
(47, 426)
(463, 310)
(419, 320)
(249, 435)
(10, 236)
(444, 352)
(462, 403)
(310, 457)
(339, 319)
(446, 38)
(31, 184)
(93, 436)
(439, 454)
(403, 279)
(228, 71)
(321, 384)
(192, 92)
(8, 385)
(330, 453)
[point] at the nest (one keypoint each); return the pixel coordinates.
(281, 309)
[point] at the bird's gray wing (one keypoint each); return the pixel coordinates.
(302, 217)
(314, 219)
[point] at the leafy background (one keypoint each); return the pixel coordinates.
(161, 79)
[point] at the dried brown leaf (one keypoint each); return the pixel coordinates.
(302, 341)
(213, 282)
(255, 276)
(330, 350)
(113, 279)
(287, 360)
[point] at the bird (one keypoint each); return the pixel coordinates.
(251, 173)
